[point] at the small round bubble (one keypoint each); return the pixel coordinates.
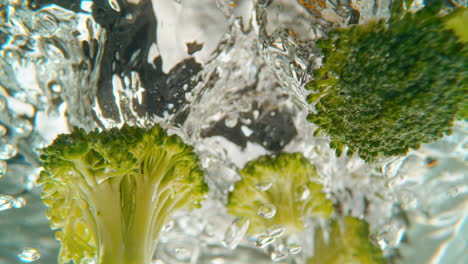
(7, 151)
(23, 127)
(267, 210)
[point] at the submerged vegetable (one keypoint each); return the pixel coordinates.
(348, 243)
(387, 86)
(278, 191)
(111, 192)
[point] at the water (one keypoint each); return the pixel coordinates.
(228, 77)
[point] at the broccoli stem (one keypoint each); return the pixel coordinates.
(138, 240)
(149, 215)
(109, 222)
(106, 213)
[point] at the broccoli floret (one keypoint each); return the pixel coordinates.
(348, 243)
(278, 191)
(110, 192)
(387, 86)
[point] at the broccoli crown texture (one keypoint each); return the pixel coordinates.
(348, 243)
(111, 192)
(387, 86)
(278, 191)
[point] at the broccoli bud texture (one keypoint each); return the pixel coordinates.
(387, 86)
(278, 191)
(109, 193)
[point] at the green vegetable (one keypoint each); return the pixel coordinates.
(110, 192)
(348, 243)
(387, 86)
(278, 191)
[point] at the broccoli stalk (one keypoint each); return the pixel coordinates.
(278, 191)
(111, 192)
(387, 86)
(348, 243)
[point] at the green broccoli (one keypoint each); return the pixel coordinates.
(111, 192)
(348, 243)
(387, 86)
(278, 191)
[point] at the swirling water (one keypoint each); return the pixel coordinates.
(228, 77)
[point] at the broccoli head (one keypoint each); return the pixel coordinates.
(109, 193)
(348, 243)
(278, 191)
(387, 86)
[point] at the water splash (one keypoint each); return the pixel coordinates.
(246, 100)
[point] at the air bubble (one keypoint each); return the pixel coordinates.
(114, 5)
(29, 254)
(294, 249)
(3, 130)
(255, 114)
(6, 202)
(130, 17)
(55, 86)
(169, 226)
(2, 102)
(181, 253)
(19, 202)
(264, 3)
(45, 24)
(235, 232)
(267, 210)
(19, 40)
(231, 122)
(87, 261)
(3, 168)
(278, 64)
(276, 230)
(247, 131)
(278, 256)
(264, 240)
(23, 127)
(182, 250)
(53, 51)
(7, 151)
(12, 56)
(302, 193)
(263, 186)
